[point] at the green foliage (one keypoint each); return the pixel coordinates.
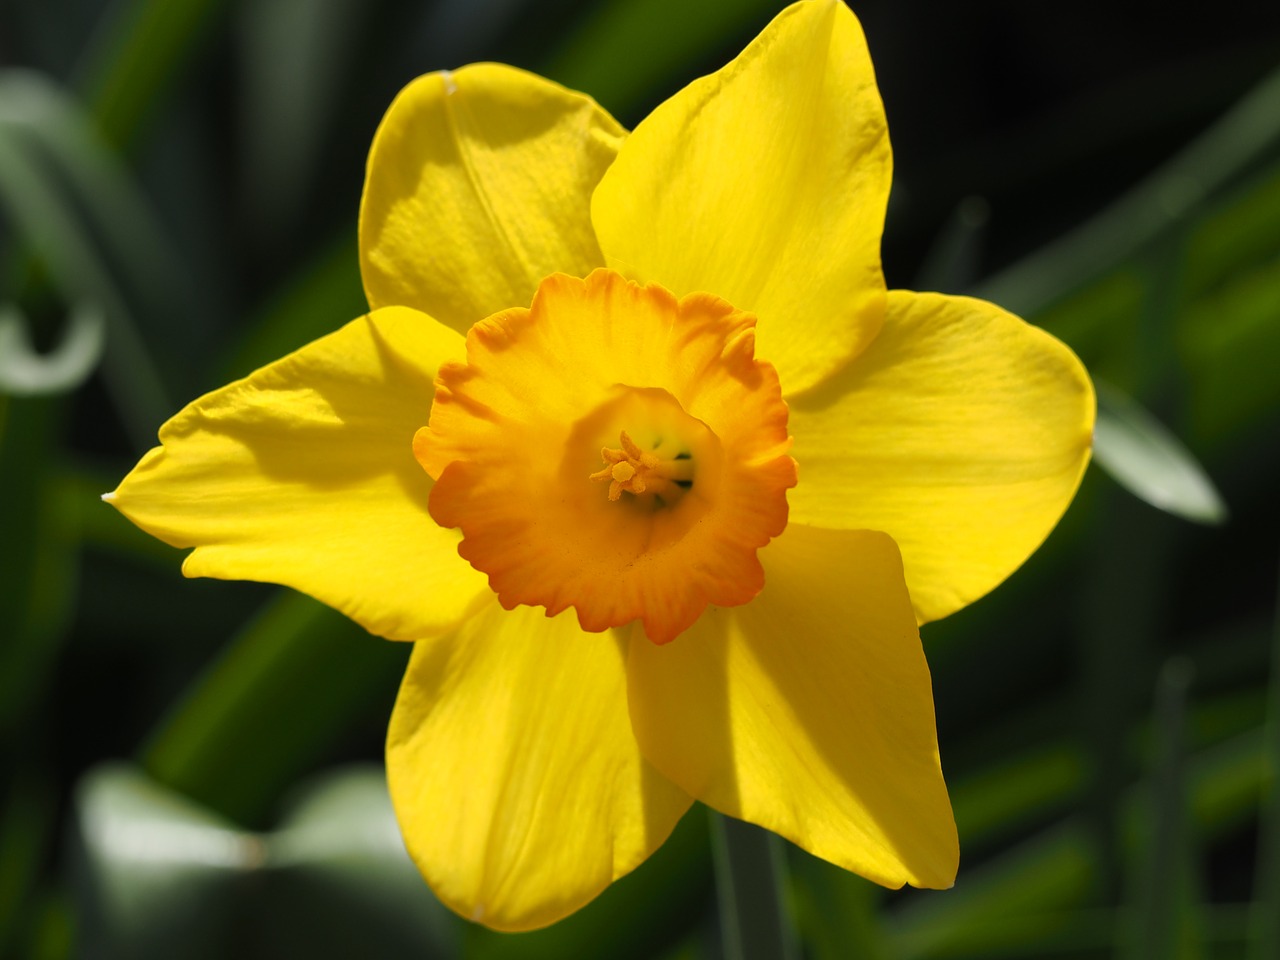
(159, 876)
(1150, 462)
(23, 372)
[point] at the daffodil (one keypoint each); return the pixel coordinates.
(661, 481)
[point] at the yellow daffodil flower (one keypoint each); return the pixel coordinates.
(655, 378)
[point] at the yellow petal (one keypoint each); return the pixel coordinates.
(303, 474)
(962, 432)
(519, 787)
(809, 711)
(478, 186)
(766, 184)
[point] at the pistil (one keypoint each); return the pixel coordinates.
(638, 471)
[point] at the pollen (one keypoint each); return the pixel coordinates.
(636, 471)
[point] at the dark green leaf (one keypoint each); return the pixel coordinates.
(23, 372)
(161, 876)
(270, 707)
(625, 51)
(1149, 462)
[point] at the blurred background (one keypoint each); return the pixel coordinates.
(193, 768)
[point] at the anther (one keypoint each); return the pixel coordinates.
(637, 471)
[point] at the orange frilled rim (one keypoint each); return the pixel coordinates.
(613, 449)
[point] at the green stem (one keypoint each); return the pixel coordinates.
(1166, 915)
(750, 869)
(1266, 905)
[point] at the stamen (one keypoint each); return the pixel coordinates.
(637, 471)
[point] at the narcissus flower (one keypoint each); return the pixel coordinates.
(638, 450)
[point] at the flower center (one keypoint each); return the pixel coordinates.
(637, 471)
(647, 480)
(612, 449)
